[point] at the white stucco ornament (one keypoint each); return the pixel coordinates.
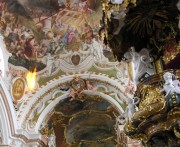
(131, 108)
(141, 61)
(116, 1)
(171, 85)
(4, 56)
(52, 140)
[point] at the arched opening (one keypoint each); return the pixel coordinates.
(89, 120)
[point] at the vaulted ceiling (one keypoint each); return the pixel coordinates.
(56, 37)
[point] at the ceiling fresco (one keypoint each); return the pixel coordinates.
(36, 31)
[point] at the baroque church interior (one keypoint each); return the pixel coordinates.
(89, 73)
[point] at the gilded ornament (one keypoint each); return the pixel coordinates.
(18, 89)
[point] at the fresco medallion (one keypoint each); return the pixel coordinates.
(18, 89)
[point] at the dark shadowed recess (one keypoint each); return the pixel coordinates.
(85, 123)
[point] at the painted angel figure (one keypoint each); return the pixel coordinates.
(62, 2)
(97, 50)
(49, 63)
(75, 3)
(171, 85)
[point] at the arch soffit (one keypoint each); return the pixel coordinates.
(45, 113)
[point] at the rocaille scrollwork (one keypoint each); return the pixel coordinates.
(159, 110)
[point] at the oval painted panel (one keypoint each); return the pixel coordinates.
(75, 59)
(18, 89)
